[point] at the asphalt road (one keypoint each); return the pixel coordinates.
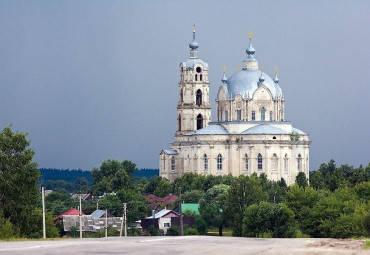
(187, 245)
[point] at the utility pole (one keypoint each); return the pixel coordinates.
(106, 223)
(123, 220)
(43, 213)
(80, 217)
(181, 220)
(125, 217)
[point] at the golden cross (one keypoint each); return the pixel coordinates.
(224, 68)
(261, 68)
(238, 69)
(250, 35)
(276, 69)
(194, 28)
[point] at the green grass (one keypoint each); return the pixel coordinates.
(367, 244)
(22, 239)
(214, 232)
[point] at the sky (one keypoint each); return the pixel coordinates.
(97, 80)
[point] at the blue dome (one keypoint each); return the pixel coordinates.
(193, 45)
(245, 83)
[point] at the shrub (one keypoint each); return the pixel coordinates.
(7, 230)
(191, 232)
(133, 232)
(152, 231)
(173, 231)
(367, 223)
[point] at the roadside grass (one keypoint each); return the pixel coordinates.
(22, 239)
(214, 232)
(367, 244)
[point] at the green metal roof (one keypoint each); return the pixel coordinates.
(190, 207)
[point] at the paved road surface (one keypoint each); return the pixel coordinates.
(187, 245)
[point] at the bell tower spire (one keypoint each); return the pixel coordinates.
(193, 107)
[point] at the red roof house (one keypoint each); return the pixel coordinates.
(72, 211)
(154, 201)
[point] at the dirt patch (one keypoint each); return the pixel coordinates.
(341, 244)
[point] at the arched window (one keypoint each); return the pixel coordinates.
(179, 122)
(238, 114)
(199, 97)
(263, 114)
(270, 115)
(201, 77)
(274, 162)
(286, 162)
(182, 95)
(219, 162)
(259, 161)
(221, 115)
(173, 163)
(299, 162)
(246, 162)
(226, 116)
(196, 77)
(205, 162)
(199, 121)
(253, 115)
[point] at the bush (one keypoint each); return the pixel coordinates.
(173, 231)
(191, 232)
(113, 232)
(7, 230)
(367, 223)
(133, 232)
(74, 232)
(152, 231)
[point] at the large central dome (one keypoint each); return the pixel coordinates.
(246, 82)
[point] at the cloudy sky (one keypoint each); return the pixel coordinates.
(92, 80)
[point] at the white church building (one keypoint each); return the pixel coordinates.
(250, 135)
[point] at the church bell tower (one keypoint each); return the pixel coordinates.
(193, 107)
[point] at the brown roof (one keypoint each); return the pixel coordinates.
(154, 200)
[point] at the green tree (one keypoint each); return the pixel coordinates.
(18, 177)
(192, 196)
(164, 188)
(337, 180)
(265, 217)
(112, 176)
(113, 204)
(367, 223)
(137, 206)
(301, 180)
(363, 191)
(244, 191)
(301, 201)
(213, 205)
(317, 180)
(58, 202)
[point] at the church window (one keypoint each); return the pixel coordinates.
(246, 162)
(274, 163)
(179, 122)
(299, 162)
(182, 95)
(199, 98)
(199, 69)
(226, 115)
(253, 115)
(270, 115)
(200, 77)
(221, 115)
(259, 161)
(286, 162)
(274, 137)
(219, 162)
(238, 114)
(263, 113)
(173, 163)
(205, 162)
(196, 77)
(199, 121)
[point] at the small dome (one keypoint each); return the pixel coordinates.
(193, 45)
(246, 82)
